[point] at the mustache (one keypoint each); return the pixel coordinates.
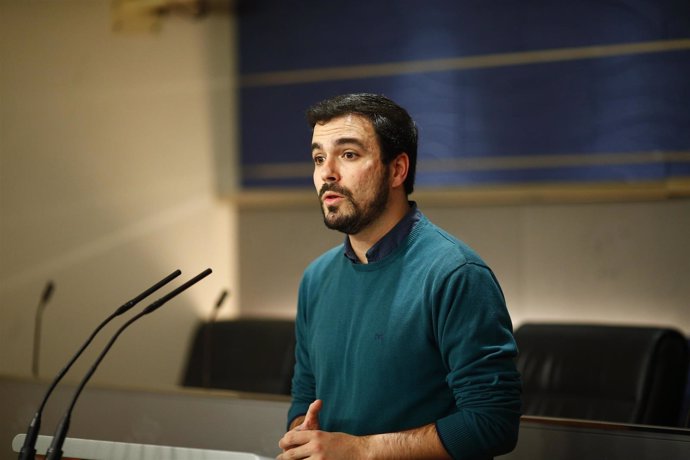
(336, 189)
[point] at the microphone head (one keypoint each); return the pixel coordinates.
(159, 302)
(47, 292)
(221, 299)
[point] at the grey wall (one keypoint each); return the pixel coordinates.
(623, 262)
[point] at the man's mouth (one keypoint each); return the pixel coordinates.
(330, 198)
(333, 195)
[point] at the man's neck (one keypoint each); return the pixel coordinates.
(366, 238)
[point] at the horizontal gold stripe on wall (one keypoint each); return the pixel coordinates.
(304, 170)
(278, 171)
(530, 193)
(291, 77)
(552, 161)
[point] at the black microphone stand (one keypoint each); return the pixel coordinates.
(208, 342)
(55, 450)
(28, 450)
(47, 292)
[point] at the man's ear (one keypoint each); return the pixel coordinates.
(399, 167)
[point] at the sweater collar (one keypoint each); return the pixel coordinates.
(390, 241)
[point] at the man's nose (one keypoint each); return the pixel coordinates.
(329, 170)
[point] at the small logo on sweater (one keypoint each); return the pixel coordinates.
(378, 337)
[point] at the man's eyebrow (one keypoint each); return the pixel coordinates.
(340, 141)
(350, 140)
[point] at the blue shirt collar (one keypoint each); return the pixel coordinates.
(390, 241)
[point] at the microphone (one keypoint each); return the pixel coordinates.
(55, 450)
(28, 450)
(206, 363)
(45, 297)
(219, 303)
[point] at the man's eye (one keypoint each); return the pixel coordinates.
(349, 155)
(318, 160)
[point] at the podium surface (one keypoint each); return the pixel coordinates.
(208, 420)
(221, 424)
(89, 449)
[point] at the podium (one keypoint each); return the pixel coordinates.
(88, 449)
(204, 419)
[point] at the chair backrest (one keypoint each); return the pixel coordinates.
(621, 374)
(685, 411)
(251, 355)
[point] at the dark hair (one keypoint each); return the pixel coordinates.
(394, 128)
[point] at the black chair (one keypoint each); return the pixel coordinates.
(622, 374)
(249, 355)
(685, 411)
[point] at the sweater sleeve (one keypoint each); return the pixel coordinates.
(303, 382)
(474, 333)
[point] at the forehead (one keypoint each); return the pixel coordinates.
(347, 126)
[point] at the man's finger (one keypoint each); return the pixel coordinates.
(293, 439)
(311, 420)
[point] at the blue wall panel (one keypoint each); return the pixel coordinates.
(538, 112)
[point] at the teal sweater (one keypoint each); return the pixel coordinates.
(422, 336)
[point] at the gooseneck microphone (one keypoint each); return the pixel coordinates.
(28, 450)
(219, 303)
(55, 450)
(45, 297)
(207, 350)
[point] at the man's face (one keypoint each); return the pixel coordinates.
(349, 176)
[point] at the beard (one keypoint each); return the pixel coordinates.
(361, 214)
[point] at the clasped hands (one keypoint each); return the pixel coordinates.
(307, 441)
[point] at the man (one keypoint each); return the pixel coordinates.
(404, 343)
